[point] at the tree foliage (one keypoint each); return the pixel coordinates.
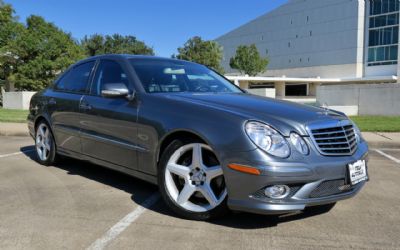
(34, 53)
(115, 44)
(201, 51)
(43, 51)
(10, 30)
(248, 60)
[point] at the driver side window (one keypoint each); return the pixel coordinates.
(108, 72)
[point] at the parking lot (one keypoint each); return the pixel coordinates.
(77, 205)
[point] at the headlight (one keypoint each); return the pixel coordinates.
(357, 133)
(299, 143)
(268, 139)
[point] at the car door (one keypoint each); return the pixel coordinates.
(108, 126)
(63, 106)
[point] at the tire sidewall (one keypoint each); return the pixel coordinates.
(219, 210)
(52, 155)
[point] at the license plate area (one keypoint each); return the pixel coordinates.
(357, 172)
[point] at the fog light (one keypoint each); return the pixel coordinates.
(277, 191)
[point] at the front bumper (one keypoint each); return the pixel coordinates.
(314, 180)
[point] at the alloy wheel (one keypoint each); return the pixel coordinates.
(43, 142)
(194, 178)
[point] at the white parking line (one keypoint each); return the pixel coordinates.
(16, 153)
(390, 149)
(118, 228)
(388, 156)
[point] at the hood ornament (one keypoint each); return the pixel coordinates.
(325, 107)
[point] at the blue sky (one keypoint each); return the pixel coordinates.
(162, 24)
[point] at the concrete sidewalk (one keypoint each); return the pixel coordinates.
(382, 139)
(13, 129)
(375, 140)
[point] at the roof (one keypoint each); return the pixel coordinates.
(312, 79)
(131, 56)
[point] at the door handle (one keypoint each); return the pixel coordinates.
(52, 101)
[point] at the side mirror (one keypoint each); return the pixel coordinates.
(115, 90)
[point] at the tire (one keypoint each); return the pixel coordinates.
(192, 188)
(45, 146)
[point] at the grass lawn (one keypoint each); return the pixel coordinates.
(13, 115)
(377, 123)
(365, 123)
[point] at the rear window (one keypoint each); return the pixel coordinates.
(76, 79)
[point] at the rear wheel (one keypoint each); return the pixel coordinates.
(44, 144)
(191, 181)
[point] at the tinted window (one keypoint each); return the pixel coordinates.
(177, 76)
(76, 80)
(107, 72)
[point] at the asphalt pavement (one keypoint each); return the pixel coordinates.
(78, 205)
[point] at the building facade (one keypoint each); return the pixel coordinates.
(337, 41)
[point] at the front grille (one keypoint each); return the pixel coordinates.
(336, 140)
(331, 187)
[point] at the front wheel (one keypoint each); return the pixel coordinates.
(44, 144)
(191, 181)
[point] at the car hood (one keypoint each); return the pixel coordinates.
(283, 115)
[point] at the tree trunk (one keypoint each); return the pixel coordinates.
(9, 86)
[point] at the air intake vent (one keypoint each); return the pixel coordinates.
(331, 187)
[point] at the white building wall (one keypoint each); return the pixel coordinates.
(306, 38)
(371, 99)
(381, 70)
(17, 100)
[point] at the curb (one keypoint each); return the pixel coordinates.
(14, 133)
(377, 145)
(374, 140)
(13, 129)
(371, 144)
(382, 139)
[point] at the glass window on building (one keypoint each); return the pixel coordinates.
(393, 53)
(378, 7)
(393, 19)
(384, 20)
(383, 32)
(382, 55)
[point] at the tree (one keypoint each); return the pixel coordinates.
(93, 45)
(32, 55)
(10, 29)
(248, 60)
(116, 44)
(201, 51)
(42, 51)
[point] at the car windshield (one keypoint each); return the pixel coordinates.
(160, 76)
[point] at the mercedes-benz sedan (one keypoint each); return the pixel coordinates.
(206, 143)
